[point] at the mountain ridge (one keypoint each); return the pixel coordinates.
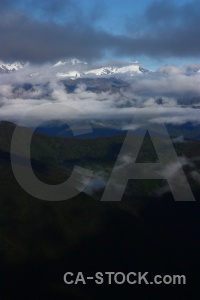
(72, 68)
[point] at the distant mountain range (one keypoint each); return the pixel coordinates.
(73, 68)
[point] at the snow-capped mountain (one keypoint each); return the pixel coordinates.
(102, 71)
(130, 69)
(6, 67)
(73, 68)
(77, 69)
(72, 61)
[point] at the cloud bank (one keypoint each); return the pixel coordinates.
(170, 95)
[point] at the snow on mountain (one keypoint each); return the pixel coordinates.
(73, 68)
(4, 67)
(102, 71)
(72, 61)
(131, 70)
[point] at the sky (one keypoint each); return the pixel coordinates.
(152, 32)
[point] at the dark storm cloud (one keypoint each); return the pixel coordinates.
(166, 29)
(27, 39)
(61, 29)
(57, 29)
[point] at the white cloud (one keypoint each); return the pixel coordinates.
(141, 99)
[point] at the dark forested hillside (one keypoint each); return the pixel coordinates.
(147, 231)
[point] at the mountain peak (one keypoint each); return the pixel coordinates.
(72, 61)
(9, 67)
(130, 69)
